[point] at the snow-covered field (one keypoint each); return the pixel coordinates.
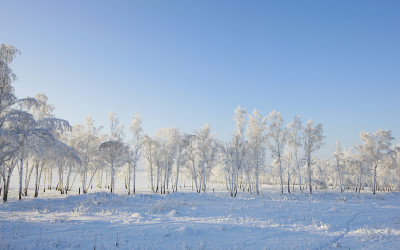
(188, 220)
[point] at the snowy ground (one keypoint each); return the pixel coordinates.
(202, 221)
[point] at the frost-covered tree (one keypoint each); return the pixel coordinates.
(238, 149)
(180, 159)
(166, 142)
(149, 147)
(57, 128)
(200, 156)
(135, 147)
(277, 135)
(191, 159)
(376, 146)
(114, 151)
(8, 146)
(17, 126)
(85, 140)
(114, 154)
(313, 140)
(357, 162)
(256, 146)
(294, 143)
(207, 150)
(339, 162)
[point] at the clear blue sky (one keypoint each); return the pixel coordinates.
(185, 63)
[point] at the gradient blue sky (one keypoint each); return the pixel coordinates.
(185, 63)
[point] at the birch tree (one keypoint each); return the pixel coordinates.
(339, 161)
(294, 143)
(148, 150)
(85, 140)
(114, 153)
(377, 146)
(207, 150)
(238, 145)
(313, 140)
(164, 155)
(135, 148)
(257, 145)
(277, 134)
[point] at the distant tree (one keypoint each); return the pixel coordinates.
(180, 156)
(313, 138)
(277, 136)
(149, 146)
(376, 146)
(294, 143)
(85, 140)
(114, 153)
(166, 145)
(339, 161)
(238, 149)
(207, 150)
(256, 146)
(356, 158)
(135, 149)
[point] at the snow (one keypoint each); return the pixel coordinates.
(186, 220)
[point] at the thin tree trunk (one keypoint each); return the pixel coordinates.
(134, 178)
(288, 179)
(177, 176)
(129, 178)
(309, 174)
(112, 178)
(280, 176)
(21, 168)
(36, 179)
(374, 187)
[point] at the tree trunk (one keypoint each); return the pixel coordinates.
(177, 177)
(298, 168)
(6, 185)
(50, 178)
(21, 168)
(134, 178)
(129, 178)
(36, 180)
(27, 178)
(280, 175)
(309, 174)
(374, 187)
(257, 189)
(288, 179)
(112, 178)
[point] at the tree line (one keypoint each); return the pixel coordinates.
(263, 150)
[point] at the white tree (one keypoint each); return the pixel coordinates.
(294, 143)
(207, 150)
(313, 138)
(191, 159)
(238, 145)
(181, 147)
(148, 149)
(256, 149)
(339, 161)
(85, 140)
(17, 126)
(114, 153)
(135, 148)
(356, 159)
(377, 146)
(164, 155)
(277, 134)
